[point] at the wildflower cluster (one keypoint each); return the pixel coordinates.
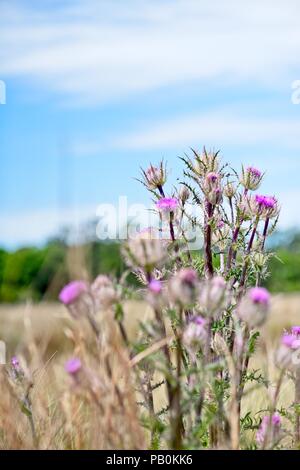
(208, 306)
(184, 373)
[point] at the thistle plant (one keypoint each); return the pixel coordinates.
(211, 301)
(208, 307)
(181, 381)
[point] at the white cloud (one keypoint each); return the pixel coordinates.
(99, 50)
(216, 129)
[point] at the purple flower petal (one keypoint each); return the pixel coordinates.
(155, 286)
(167, 204)
(73, 365)
(259, 295)
(72, 291)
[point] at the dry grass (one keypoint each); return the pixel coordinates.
(101, 415)
(98, 411)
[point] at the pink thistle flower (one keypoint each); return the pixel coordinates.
(260, 295)
(270, 202)
(287, 340)
(254, 171)
(167, 204)
(296, 330)
(296, 344)
(260, 200)
(73, 366)
(17, 373)
(155, 286)
(154, 295)
(199, 320)
(72, 291)
(251, 178)
(15, 362)
(276, 420)
(290, 341)
(254, 307)
(265, 202)
(265, 206)
(287, 355)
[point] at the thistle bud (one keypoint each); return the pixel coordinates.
(221, 235)
(206, 162)
(251, 178)
(213, 296)
(260, 260)
(288, 353)
(219, 345)
(155, 177)
(254, 307)
(245, 207)
(195, 335)
(212, 188)
(103, 292)
(145, 252)
(229, 190)
(183, 286)
(184, 194)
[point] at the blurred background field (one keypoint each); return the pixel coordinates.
(36, 274)
(48, 322)
(32, 277)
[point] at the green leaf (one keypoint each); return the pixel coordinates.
(252, 342)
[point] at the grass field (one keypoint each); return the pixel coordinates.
(47, 322)
(46, 327)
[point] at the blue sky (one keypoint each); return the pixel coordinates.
(97, 88)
